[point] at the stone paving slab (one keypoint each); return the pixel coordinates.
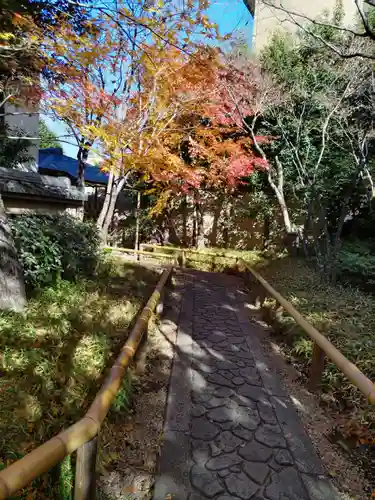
(230, 429)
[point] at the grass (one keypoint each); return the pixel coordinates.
(54, 354)
(345, 315)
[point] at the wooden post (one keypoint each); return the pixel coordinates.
(278, 311)
(137, 214)
(183, 263)
(85, 480)
(160, 307)
(316, 367)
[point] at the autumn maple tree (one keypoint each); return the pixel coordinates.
(139, 87)
(89, 77)
(209, 144)
(94, 71)
(168, 86)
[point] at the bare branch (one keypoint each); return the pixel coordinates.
(295, 18)
(6, 99)
(293, 14)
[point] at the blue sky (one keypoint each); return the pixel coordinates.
(230, 15)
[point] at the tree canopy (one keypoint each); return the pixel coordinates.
(48, 139)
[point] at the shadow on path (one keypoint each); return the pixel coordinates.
(230, 430)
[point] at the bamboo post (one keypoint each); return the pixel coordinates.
(278, 311)
(317, 367)
(160, 306)
(137, 214)
(85, 480)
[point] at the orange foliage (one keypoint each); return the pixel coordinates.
(20, 59)
(103, 76)
(148, 105)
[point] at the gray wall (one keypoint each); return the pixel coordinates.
(267, 20)
(29, 125)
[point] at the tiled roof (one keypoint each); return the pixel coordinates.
(54, 159)
(26, 184)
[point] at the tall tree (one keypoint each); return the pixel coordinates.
(169, 85)
(324, 130)
(116, 37)
(48, 139)
(214, 152)
(19, 63)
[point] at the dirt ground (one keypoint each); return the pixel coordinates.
(131, 443)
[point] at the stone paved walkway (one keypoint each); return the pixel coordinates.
(230, 430)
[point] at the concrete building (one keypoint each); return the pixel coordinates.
(27, 124)
(268, 19)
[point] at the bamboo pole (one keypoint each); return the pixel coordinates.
(192, 251)
(136, 244)
(316, 367)
(355, 376)
(85, 481)
(140, 252)
(40, 460)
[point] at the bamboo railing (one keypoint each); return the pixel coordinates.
(141, 252)
(322, 346)
(82, 436)
(180, 254)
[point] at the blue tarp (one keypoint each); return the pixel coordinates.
(54, 159)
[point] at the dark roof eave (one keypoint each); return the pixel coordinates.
(45, 199)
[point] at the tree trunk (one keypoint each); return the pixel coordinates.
(82, 155)
(195, 230)
(215, 224)
(116, 190)
(184, 222)
(278, 189)
(12, 287)
(200, 227)
(137, 213)
(165, 232)
(266, 231)
(284, 211)
(106, 203)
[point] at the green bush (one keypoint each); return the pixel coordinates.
(54, 246)
(356, 264)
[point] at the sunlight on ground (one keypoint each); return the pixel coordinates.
(298, 404)
(54, 354)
